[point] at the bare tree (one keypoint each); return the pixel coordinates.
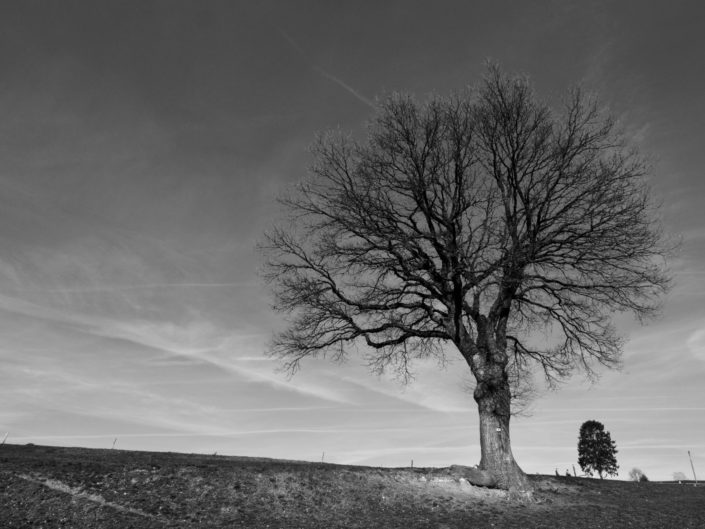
(482, 223)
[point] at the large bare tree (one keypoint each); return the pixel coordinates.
(483, 223)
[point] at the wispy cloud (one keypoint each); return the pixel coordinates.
(696, 343)
(140, 287)
(435, 388)
(193, 340)
(645, 409)
(201, 340)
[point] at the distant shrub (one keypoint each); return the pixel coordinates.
(636, 474)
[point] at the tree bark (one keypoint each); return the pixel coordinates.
(488, 362)
(493, 402)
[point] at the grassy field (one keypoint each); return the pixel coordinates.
(47, 487)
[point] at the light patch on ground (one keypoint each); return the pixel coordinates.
(60, 486)
(460, 486)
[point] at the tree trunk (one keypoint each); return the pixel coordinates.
(488, 361)
(496, 450)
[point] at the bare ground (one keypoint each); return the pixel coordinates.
(50, 487)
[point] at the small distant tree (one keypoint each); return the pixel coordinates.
(679, 476)
(636, 474)
(596, 450)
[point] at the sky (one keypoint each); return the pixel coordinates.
(143, 145)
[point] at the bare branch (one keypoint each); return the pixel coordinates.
(479, 219)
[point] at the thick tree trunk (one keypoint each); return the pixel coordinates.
(488, 361)
(493, 402)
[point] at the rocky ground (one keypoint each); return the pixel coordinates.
(49, 487)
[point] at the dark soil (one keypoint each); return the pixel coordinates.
(48, 487)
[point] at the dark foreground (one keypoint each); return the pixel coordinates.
(47, 487)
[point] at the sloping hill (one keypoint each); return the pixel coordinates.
(52, 487)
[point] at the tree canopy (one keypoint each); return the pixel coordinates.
(597, 452)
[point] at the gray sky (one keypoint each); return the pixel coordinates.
(142, 145)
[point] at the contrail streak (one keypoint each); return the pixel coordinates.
(324, 73)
